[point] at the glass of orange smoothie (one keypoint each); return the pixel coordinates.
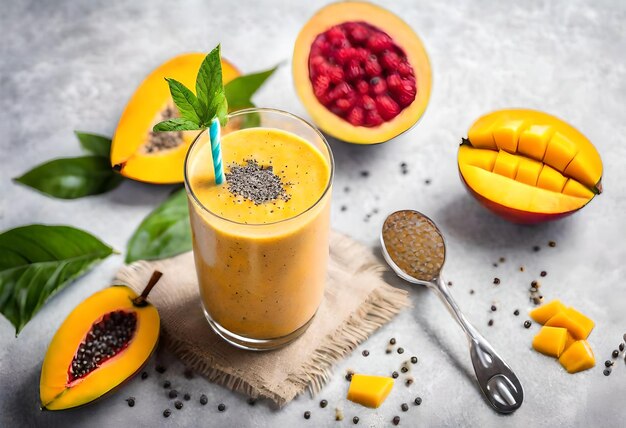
(260, 239)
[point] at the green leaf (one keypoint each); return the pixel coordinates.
(95, 144)
(176, 124)
(37, 261)
(209, 86)
(165, 232)
(240, 90)
(71, 178)
(186, 101)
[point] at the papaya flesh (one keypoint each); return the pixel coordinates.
(361, 72)
(103, 342)
(528, 166)
(157, 157)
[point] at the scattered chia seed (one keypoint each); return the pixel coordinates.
(131, 401)
(493, 308)
(203, 400)
(395, 375)
(409, 381)
(144, 375)
(414, 360)
(365, 173)
(173, 394)
(607, 372)
(527, 324)
(396, 420)
(552, 244)
(167, 413)
(256, 183)
(392, 341)
(167, 384)
(608, 363)
(307, 415)
(349, 375)
(404, 407)
(389, 349)
(160, 369)
(472, 291)
(187, 397)
(502, 259)
(543, 273)
(449, 283)
(615, 353)
(323, 403)
(490, 323)
(221, 407)
(496, 281)
(178, 404)
(400, 351)
(355, 420)
(495, 265)
(521, 268)
(516, 312)
(418, 401)
(344, 208)
(621, 347)
(536, 248)
(427, 181)
(365, 353)
(404, 369)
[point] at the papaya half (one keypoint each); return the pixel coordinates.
(361, 72)
(103, 342)
(157, 157)
(528, 166)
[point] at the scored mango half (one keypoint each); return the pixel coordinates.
(529, 166)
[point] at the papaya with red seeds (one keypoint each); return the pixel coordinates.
(361, 72)
(102, 343)
(157, 157)
(528, 166)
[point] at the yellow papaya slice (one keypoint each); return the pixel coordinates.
(546, 311)
(577, 357)
(103, 342)
(550, 341)
(157, 157)
(369, 391)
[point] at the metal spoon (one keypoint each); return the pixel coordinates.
(414, 248)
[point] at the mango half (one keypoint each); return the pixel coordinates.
(528, 166)
(143, 155)
(103, 342)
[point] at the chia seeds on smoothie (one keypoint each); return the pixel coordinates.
(256, 183)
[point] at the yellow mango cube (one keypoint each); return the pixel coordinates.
(544, 312)
(506, 134)
(560, 152)
(506, 164)
(533, 142)
(576, 323)
(551, 179)
(574, 188)
(550, 341)
(369, 391)
(578, 357)
(528, 171)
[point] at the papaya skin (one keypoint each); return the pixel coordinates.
(144, 110)
(544, 170)
(401, 33)
(57, 391)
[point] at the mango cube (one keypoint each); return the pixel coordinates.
(369, 391)
(550, 341)
(578, 357)
(544, 312)
(576, 323)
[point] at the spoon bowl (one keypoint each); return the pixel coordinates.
(415, 249)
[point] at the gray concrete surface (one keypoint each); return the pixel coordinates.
(68, 65)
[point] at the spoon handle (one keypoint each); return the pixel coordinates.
(499, 384)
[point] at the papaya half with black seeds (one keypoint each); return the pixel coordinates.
(528, 166)
(102, 343)
(157, 157)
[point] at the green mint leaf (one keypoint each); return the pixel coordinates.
(240, 90)
(165, 232)
(209, 86)
(37, 262)
(176, 124)
(72, 178)
(187, 103)
(95, 144)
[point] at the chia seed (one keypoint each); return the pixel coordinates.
(160, 369)
(167, 384)
(365, 173)
(395, 375)
(608, 363)
(365, 353)
(543, 273)
(414, 360)
(621, 347)
(131, 401)
(173, 394)
(167, 413)
(607, 372)
(307, 415)
(392, 341)
(536, 248)
(496, 281)
(349, 375)
(552, 244)
(256, 183)
(404, 369)
(396, 420)
(493, 308)
(178, 405)
(400, 351)
(323, 403)
(404, 407)
(221, 407)
(490, 323)
(418, 401)
(615, 353)
(516, 312)
(203, 400)
(144, 375)
(527, 324)
(187, 397)
(355, 420)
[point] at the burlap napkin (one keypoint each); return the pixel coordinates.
(356, 303)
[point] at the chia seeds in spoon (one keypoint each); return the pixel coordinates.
(256, 183)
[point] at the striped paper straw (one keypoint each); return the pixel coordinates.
(216, 151)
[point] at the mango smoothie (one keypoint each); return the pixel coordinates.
(261, 239)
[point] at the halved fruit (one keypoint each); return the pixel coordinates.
(103, 342)
(361, 72)
(157, 157)
(528, 166)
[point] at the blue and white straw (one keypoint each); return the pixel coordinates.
(216, 151)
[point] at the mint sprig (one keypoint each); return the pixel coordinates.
(199, 109)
